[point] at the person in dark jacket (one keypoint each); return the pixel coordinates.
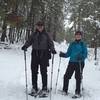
(42, 47)
(77, 51)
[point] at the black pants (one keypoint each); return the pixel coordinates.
(43, 70)
(78, 68)
(39, 59)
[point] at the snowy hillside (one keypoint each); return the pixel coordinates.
(12, 75)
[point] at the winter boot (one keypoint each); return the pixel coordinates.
(43, 93)
(76, 96)
(34, 92)
(64, 92)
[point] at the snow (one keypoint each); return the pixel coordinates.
(12, 75)
(92, 20)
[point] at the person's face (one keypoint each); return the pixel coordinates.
(78, 36)
(40, 28)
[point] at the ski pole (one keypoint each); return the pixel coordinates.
(51, 77)
(58, 74)
(26, 75)
(81, 79)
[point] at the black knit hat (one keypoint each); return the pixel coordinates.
(40, 23)
(78, 33)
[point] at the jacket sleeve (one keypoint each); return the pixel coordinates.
(68, 53)
(29, 41)
(50, 42)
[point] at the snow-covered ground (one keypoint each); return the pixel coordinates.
(12, 75)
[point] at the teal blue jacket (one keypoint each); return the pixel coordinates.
(77, 50)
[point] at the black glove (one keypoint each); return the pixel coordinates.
(62, 54)
(53, 51)
(24, 48)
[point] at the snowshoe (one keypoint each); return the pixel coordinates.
(43, 93)
(34, 92)
(63, 92)
(76, 96)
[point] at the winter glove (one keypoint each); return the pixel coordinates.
(62, 54)
(49, 54)
(53, 51)
(24, 48)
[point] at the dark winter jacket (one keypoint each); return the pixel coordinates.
(77, 50)
(40, 41)
(42, 46)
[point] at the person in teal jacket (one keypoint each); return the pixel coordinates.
(77, 51)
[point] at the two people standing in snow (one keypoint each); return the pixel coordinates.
(42, 47)
(77, 51)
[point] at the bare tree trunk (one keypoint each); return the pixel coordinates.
(79, 20)
(17, 34)
(55, 28)
(4, 28)
(95, 49)
(30, 21)
(11, 35)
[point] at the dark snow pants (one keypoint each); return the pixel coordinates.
(39, 59)
(43, 70)
(73, 66)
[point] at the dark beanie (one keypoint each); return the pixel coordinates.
(78, 33)
(40, 23)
